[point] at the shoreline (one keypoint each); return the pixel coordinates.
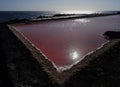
(28, 67)
(64, 79)
(53, 18)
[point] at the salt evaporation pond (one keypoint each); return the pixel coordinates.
(66, 41)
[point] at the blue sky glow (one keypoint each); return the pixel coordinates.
(59, 5)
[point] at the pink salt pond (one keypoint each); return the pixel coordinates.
(67, 41)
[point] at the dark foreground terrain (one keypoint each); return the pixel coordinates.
(18, 67)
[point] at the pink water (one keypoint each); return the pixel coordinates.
(66, 41)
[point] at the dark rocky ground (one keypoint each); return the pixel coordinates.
(112, 35)
(5, 78)
(18, 67)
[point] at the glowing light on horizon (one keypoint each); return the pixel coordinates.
(78, 12)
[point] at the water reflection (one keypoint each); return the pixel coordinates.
(66, 41)
(74, 55)
(82, 20)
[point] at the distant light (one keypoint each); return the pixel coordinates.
(77, 12)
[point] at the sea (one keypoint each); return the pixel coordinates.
(10, 15)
